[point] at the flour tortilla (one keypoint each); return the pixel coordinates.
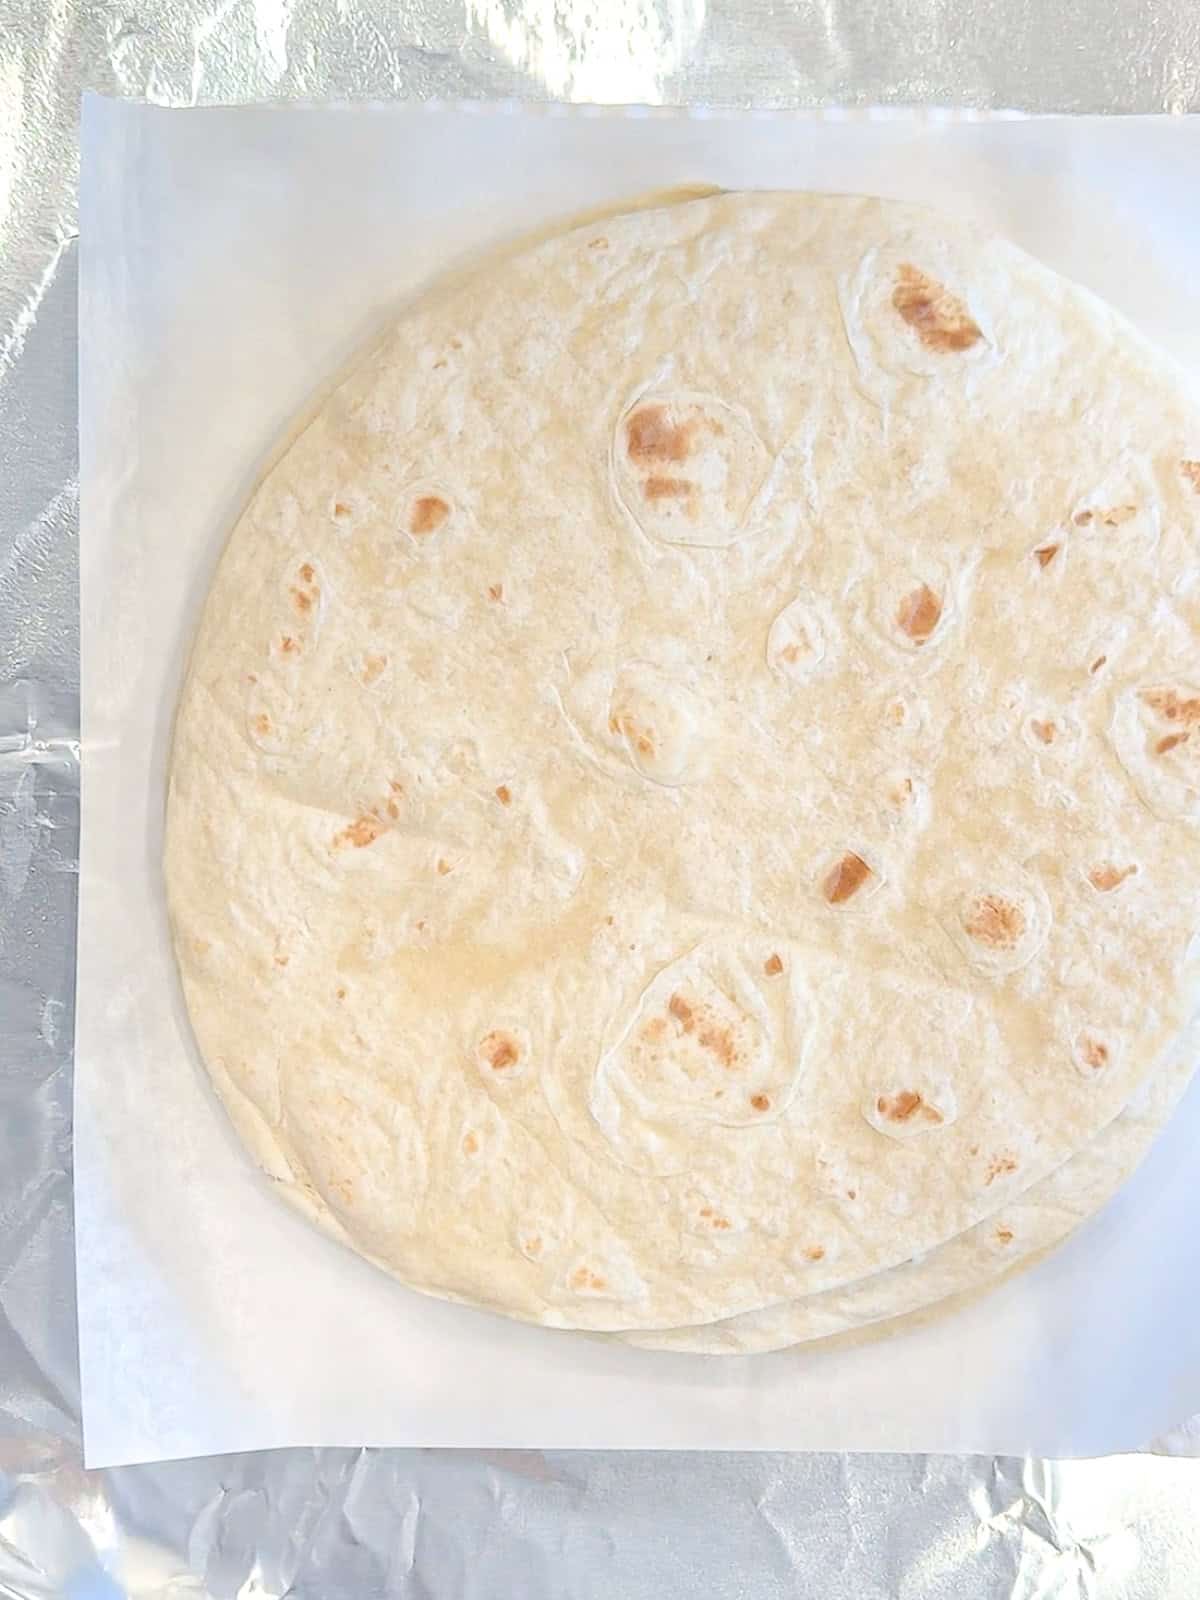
(1015, 1238)
(681, 759)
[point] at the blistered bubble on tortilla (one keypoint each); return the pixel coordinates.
(919, 1104)
(909, 312)
(1155, 731)
(661, 726)
(714, 1041)
(688, 467)
(502, 1054)
(848, 879)
(1001, 924)
(801, 640)
(1106, 877)
(912, 608)
(1093, 1052)
(1119, 516)
(939, 319)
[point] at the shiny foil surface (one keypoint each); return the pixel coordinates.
(333, 1524)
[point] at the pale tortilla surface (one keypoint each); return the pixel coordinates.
(685, 793)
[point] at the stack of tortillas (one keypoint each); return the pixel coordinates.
(683, 816)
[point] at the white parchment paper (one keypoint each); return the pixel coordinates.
(232, 260)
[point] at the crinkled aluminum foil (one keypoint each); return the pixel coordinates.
(333, 1524)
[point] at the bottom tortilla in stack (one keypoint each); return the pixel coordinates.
(1020, 1235)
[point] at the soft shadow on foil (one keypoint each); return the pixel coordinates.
(333, 1524)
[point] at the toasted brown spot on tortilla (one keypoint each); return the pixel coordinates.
(1168, 704)
(470, 1145)
(815, 1252)
(500, 1050)
(533, 1246)
(392, 809)
(790, 653)
(302, 601)
(340, 509)
(906, 1105)
(1169, 742)
(1105, 877)
(940, 319)
(585, 1278)
(1191, 471)
(718, 1039)
(287, 645)
(495, 591)
(919, 613)
(340, 994)
(1093, 1052)
(1004, 1235)
(1045, 731)
(428, 513)
(683, 1013)
(760, 1102)
(1045, 554)
(600, 243)
(659, 488)
(714, 1218)
(700, 1020)
(261, 724)
(995, 922)
(1097, 664)
(306, 572)
(373, 668)
(631, 730)
(443, 867)
(1110, 517)
(282, 961)
(773, 966)
(846, 878)
(651, 436)
(362, 832)
(504, 794)
(1000, 1166)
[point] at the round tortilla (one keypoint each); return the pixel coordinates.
(683, 754)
